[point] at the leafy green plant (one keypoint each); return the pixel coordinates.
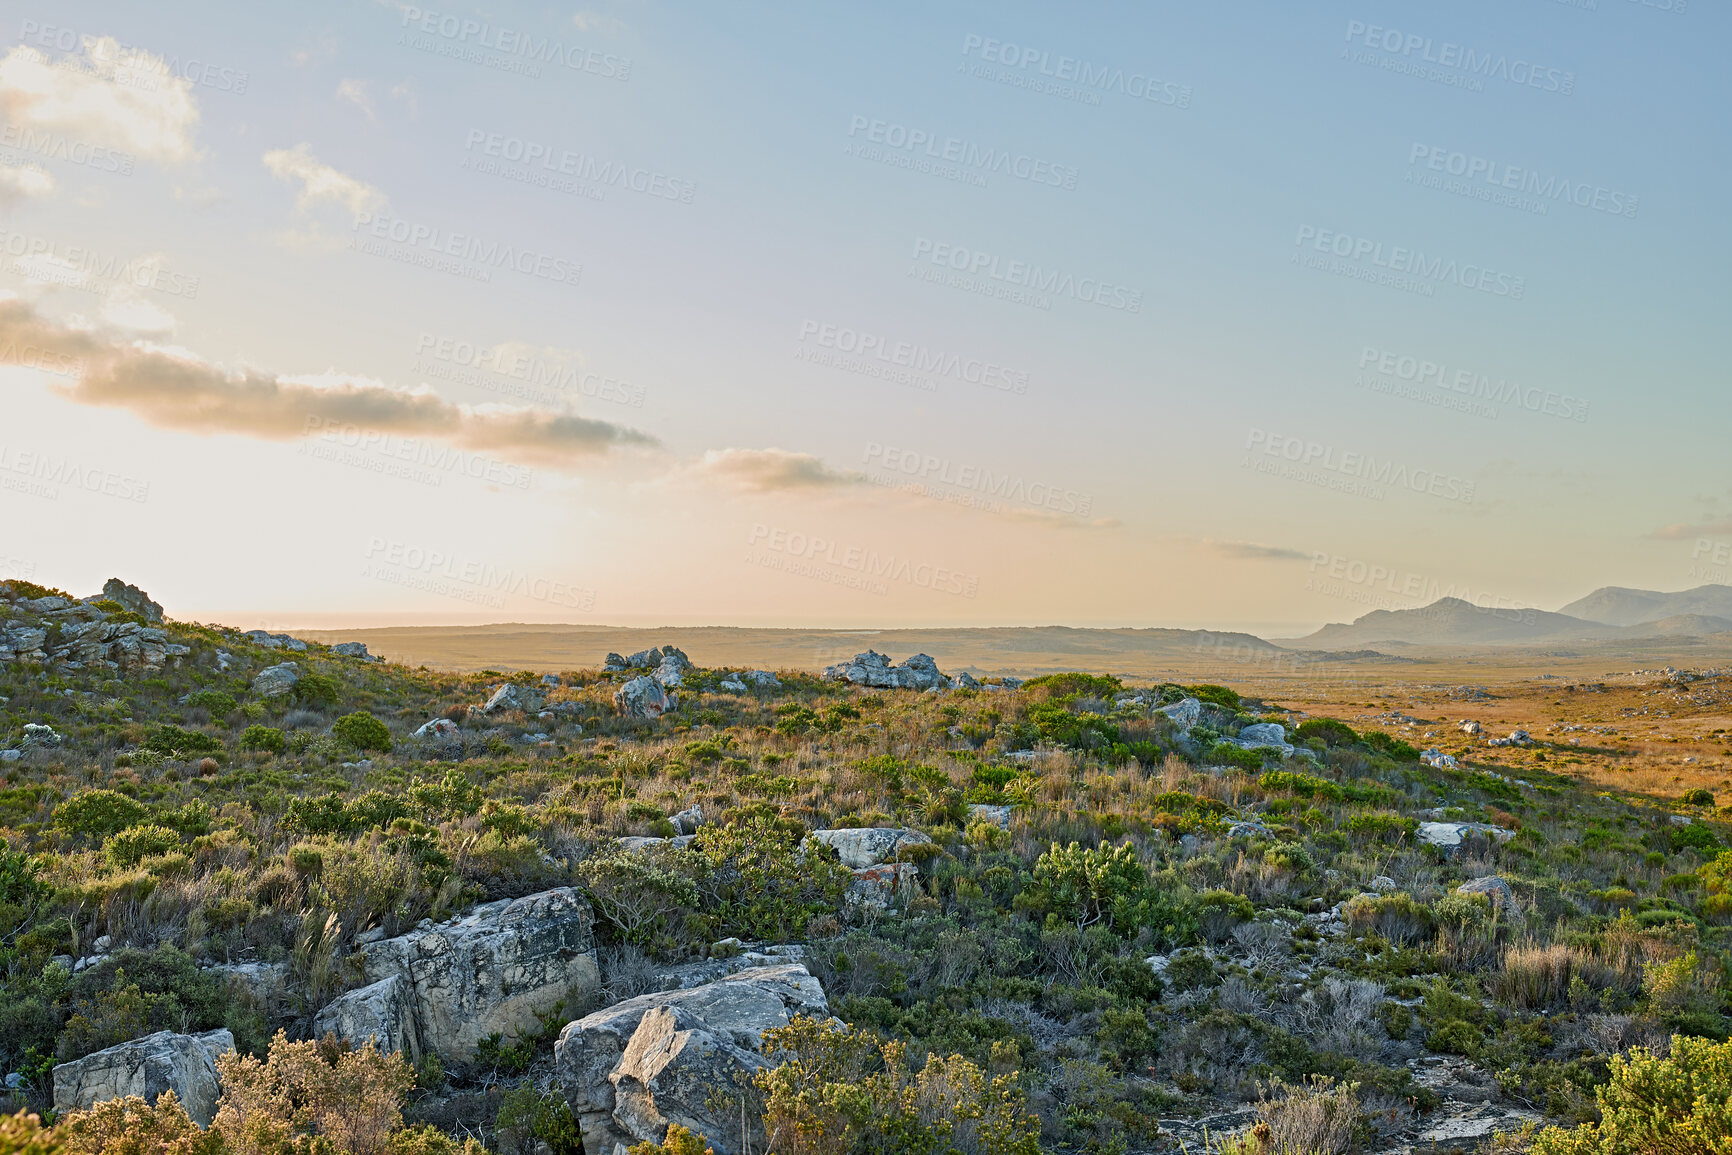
(362, 731)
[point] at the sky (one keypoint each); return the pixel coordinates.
(1233, 315)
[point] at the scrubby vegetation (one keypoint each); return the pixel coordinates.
(1164, 924)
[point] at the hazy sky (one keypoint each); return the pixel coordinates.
(1251, 315)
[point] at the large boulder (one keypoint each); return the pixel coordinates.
(273, 681)
(676, 1071)
(354, 650)
(732, 1013)
(512, 696)
(643, 698)
(493, 971)
(383, 1012)
(1185, 713)
(1495, 889)
(862, 846)
(132, 598)
(146, 1067)
(1264, 736)
(881, 887)
(1449, 836)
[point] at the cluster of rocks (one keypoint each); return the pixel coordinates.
(873, 854)
(920, 672)
(1449, 836)
(269, 641)
(1435, 757)
(1515, 738)
(630, 1071)
(74, 634)
(649, 695)
(746, 680)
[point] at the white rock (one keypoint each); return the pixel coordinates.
(146, 1067)
(861, 846)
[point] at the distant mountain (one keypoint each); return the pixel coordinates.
(1679, 625)
(1617, 606)
(1453, 622)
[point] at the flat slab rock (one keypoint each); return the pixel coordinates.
(862, 846)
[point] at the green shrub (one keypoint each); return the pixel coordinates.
(362, 731)
(134, 844)
(1695, 836)
(1699, 797)
(1679, 1105)
(98, 813)
(316, 691)
(1395, 748)
(174, 742)
(219, 703)
(1328, 729)
(266, 738)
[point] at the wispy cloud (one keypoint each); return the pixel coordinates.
(772, 470)
(1254, 551)
(1683, 532)
(174, 389)
(86, 94)
(320, 182)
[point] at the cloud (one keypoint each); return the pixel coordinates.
(99, 96)
(1055, 519)
(355, 92)
(1682, 532)
(321, 182)
(1252, 551)
(24, 182)
(772, 470)
(173, 389)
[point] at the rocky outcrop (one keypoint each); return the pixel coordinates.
(272, 641)
(1435, 757)
(688, 820)
(643, 698)
(874, 670)
(623, 1081)
(274, 681)
(437, 728)
(671, 670)
(132, 599)
(443, 988)
(862, 846)
(512, 696)
(993, 813)
(1515, 738)
(146, 1067)
(354, 650)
